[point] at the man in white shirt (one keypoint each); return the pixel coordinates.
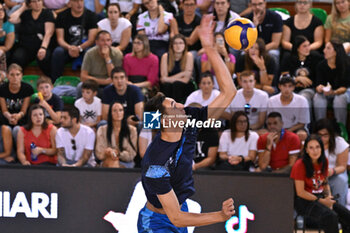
(251, 100)
(206, 92)
(294, 108)
(75, 142)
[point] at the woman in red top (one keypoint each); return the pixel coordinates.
(314, 198)
(36, 140)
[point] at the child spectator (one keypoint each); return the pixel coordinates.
(89, 105)
(51, 102)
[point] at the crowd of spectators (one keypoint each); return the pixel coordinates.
(287, 80)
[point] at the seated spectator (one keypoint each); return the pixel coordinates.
(337, 24)
(303, 23)
(3, 67)
(301, 63)
(99, 61)
(237, 145)
(7, 32)
(52, 103)
(89, 105)
(225, 54)
(118, 27)
(257, 60)
(332, 79)
(36, 140)
(206, 146)
(6, 146)
(223, 15)
(74, 141)
(314, 198)
(15, 97)
(269, 25)
(142, 66)
(176, 70)
(187, 23)
(293, 107)
(250, 100)
(76, 30)
(116, 144)
(279, 148)
(145, 138)
(129, 95)
(206, 92)
(36, 27)
(336, 151)
(156, 24)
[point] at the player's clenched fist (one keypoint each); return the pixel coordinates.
(228, 209)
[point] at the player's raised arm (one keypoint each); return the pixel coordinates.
(223, 76)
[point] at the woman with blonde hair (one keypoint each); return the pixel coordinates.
(176, 70)
(141, 66)
(338, 23)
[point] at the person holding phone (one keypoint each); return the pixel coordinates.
(313, 194)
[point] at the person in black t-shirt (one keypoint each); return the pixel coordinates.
(332, 79)
(76, 29)
(36, 27)
(14, 97)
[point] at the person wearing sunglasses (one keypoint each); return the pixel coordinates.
(250, 100)
(75, 142)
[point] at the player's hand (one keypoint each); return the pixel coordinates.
(206, 31)
(228, 209)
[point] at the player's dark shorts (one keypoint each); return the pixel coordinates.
(152, 222)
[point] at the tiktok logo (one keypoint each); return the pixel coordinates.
(244, 216)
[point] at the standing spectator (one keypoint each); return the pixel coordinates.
(36, 27)
(76, 30)
(117, 141)
(251, 100)
(206, 92)
(128, 95)
(7, 32)
(100, 60)
(301, 63)
(293, 107)
(51, 102)
(223, 15)
(6, 146)
(224, 53)
(187, 22)
(305, 24)
(15, 97)
(279, 148)
(337, 23)
(118, 27)
(336, 151)
(332, 79)
(89, 105)
(176, 70)
(269, 25)
(155, 23)
(258, 61)
(142, 66)
(237, 145)
(74, 141)
(36, 140)
(313, 196)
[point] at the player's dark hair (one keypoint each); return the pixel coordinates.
(124, 129)
(72, 111)
(90, 85)
(274, 115)
(233, 125)
(309, 167)
(29, 125)
(155, 103)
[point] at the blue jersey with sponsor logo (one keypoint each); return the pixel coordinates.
(168, 165)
